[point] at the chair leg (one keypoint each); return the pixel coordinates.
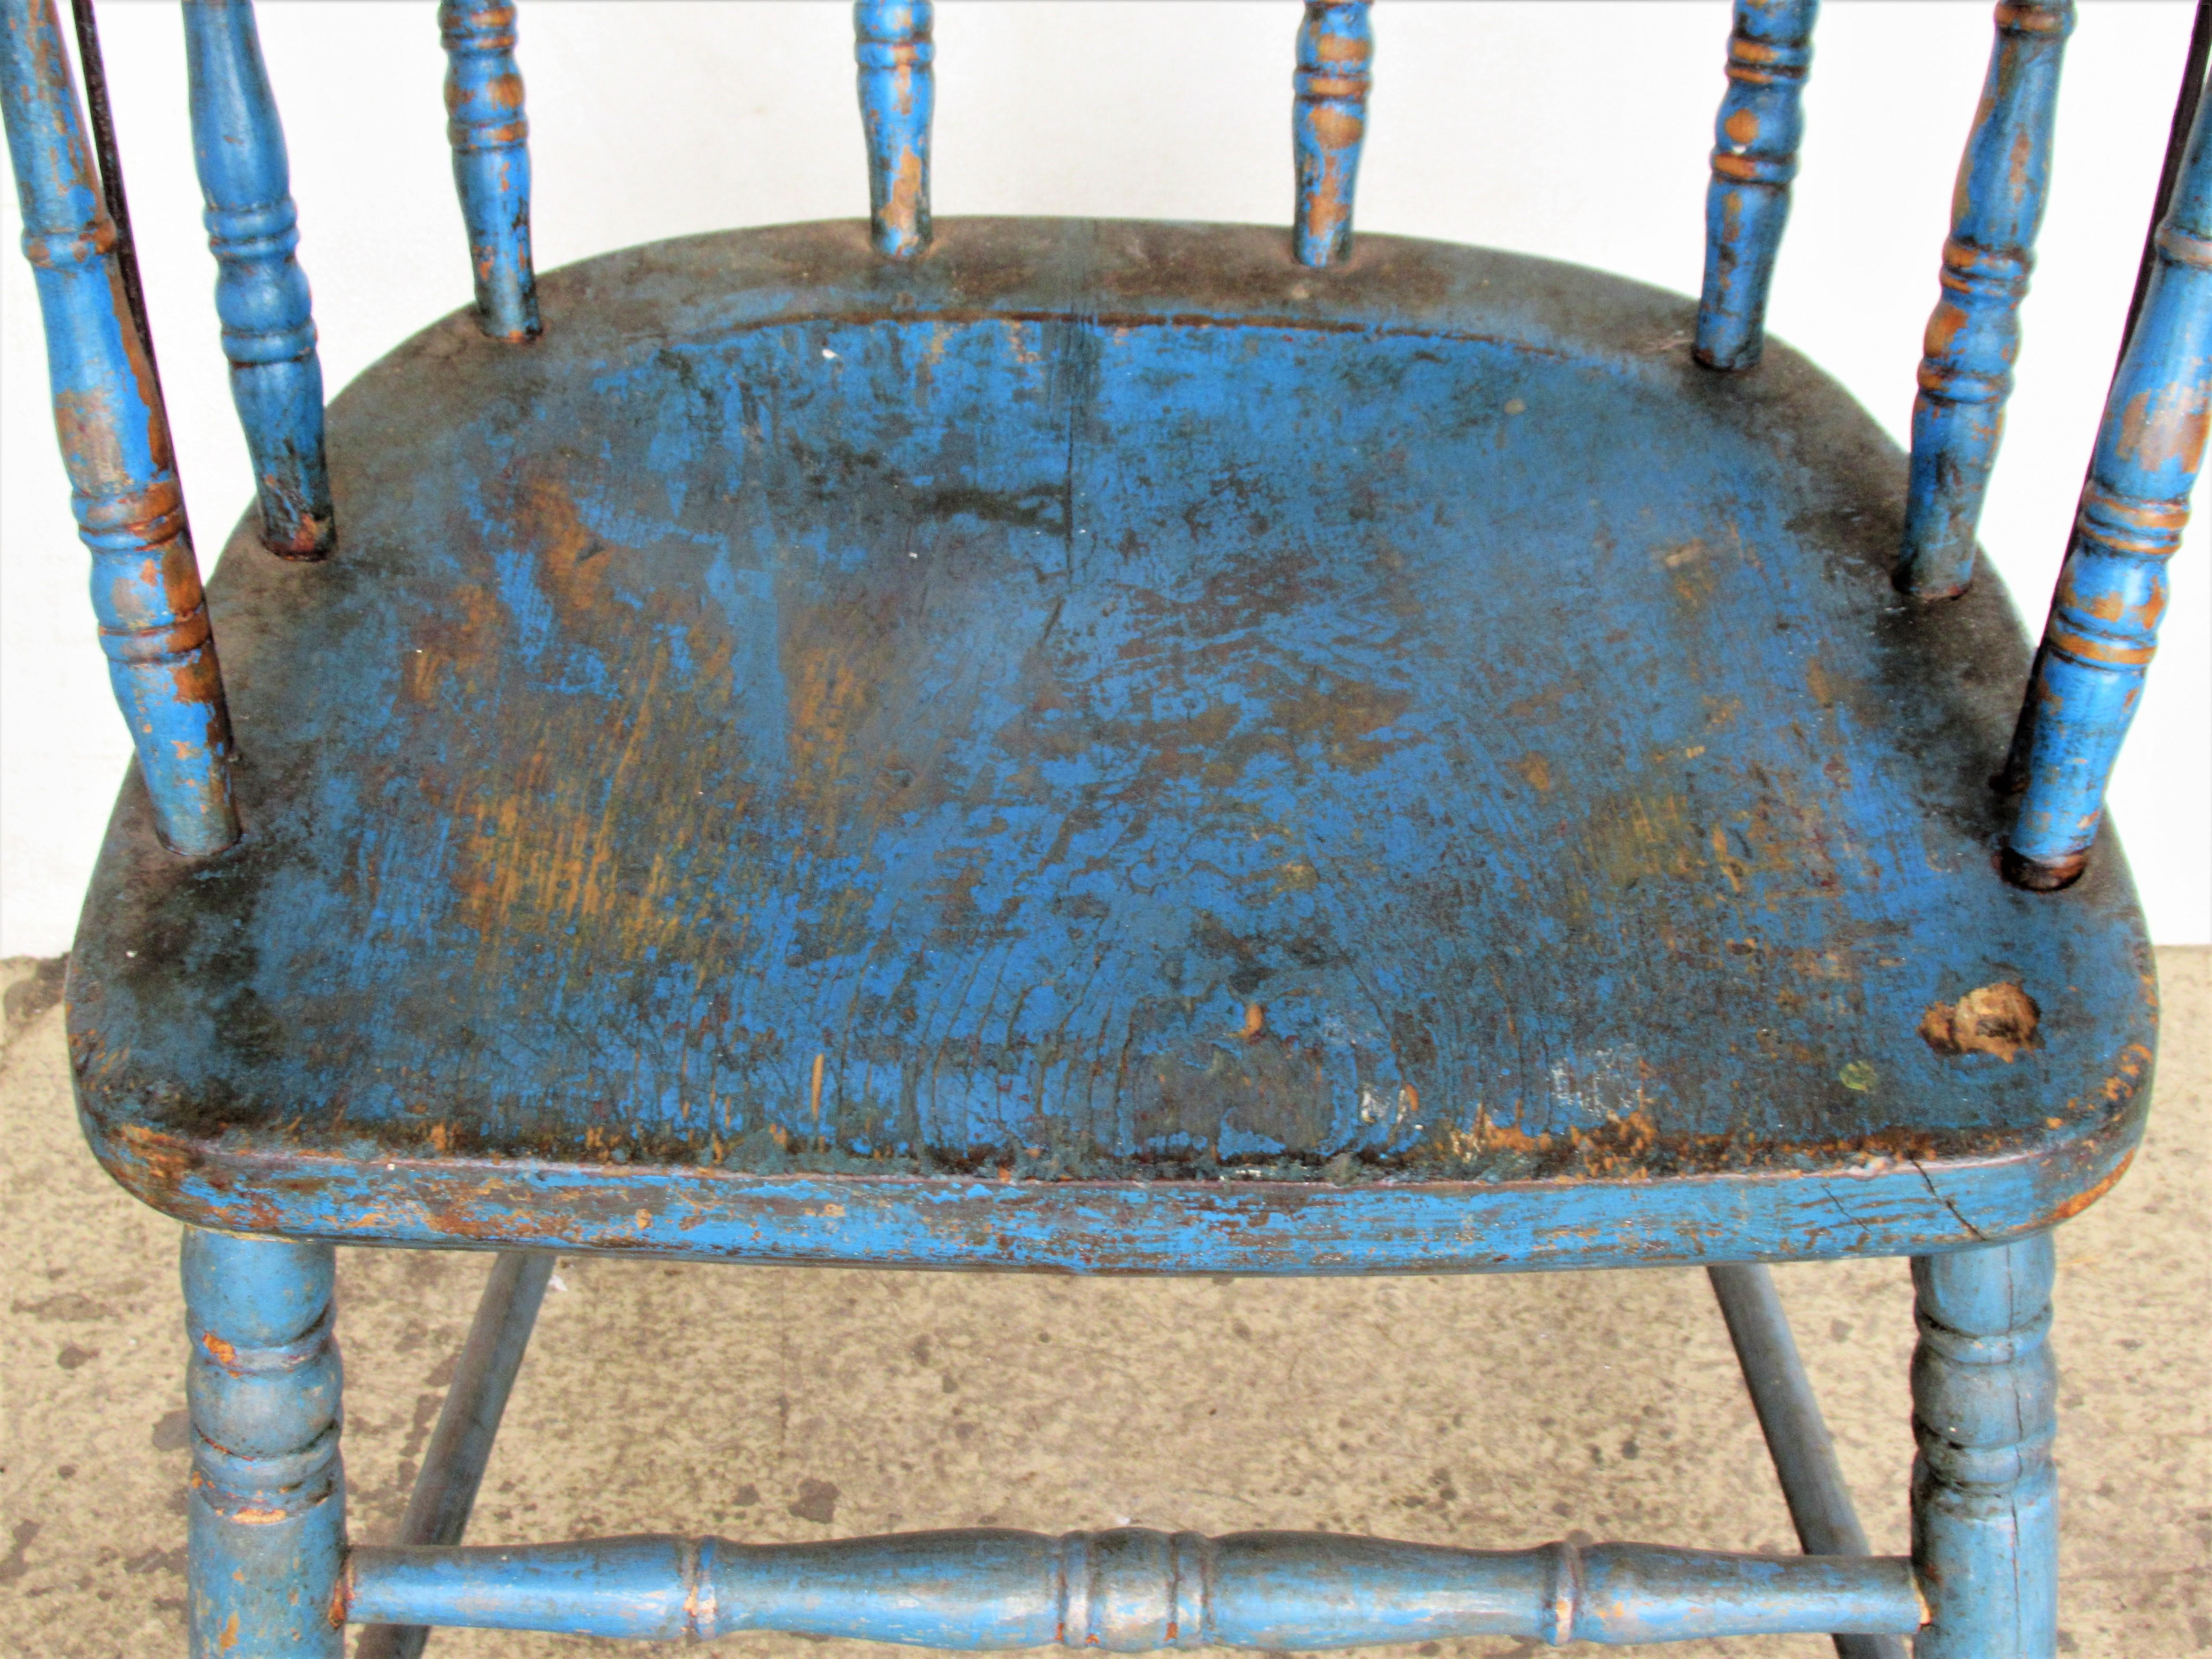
(267, 1512)
(1796, 1435)
(1984, 1490)
(460, 1446)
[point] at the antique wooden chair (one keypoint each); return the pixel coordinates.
(1114, 748)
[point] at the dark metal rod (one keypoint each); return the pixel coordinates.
(2176, 141)
(109, 160)
(446, 1490)
(1798, 1435)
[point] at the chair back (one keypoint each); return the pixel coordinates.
(153, 619)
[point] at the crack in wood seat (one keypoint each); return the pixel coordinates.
(1103, 748)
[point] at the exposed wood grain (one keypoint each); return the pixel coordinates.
(1148, 756)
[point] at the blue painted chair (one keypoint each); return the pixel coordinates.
(1106, 748)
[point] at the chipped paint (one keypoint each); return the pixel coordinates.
(1128, 1591)
(1999, 1019)
(2112, 590)
(489, 136)
(261, 293)
(772, 750)
(1973, 333)
(266, 1513)
(892, 46)
(1328, 123)
(1754, 159)
(115, 445)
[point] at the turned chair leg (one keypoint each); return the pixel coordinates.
(1984, 1491)
(268, 1499)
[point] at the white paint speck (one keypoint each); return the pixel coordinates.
(831, 354)
(557, 1282)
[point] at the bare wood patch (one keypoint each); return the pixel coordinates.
(1998, 1020)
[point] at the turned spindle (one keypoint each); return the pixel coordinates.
(266, 1518)
(2111, 593)
(1984, 1491)
(898, 93)
(1755, 139)
(1973, 334)
(1130, 1590)
(1328, 122)
(115, 433)
(490, 140)
(260, 292)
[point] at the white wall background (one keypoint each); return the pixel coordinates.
(1576, 130)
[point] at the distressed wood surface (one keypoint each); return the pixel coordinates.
(1755, 139)
(1329, 124)
(266, 1514)
(1071, 753)
(898, 95)
(260, 292)
(1984, 1492)
(1973, 334)
(114, 435)
(490, 139)
(1132, 1590)
(2112, 592)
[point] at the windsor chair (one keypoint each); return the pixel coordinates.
(1109, 748)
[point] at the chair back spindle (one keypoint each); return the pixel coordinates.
(1097, 981)
(1328, 122)
(1973, 334)
(2112, 592)
(1755, 139)
(898, 95)
(260, 293)
(114, 434)
(490, 138)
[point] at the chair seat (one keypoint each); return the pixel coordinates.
(1105, 748)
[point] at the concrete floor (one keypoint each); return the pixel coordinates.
(772, 1403)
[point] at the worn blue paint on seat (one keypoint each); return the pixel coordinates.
(1076, 725)
(1091, 746)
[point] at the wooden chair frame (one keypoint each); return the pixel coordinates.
(272, 1572)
